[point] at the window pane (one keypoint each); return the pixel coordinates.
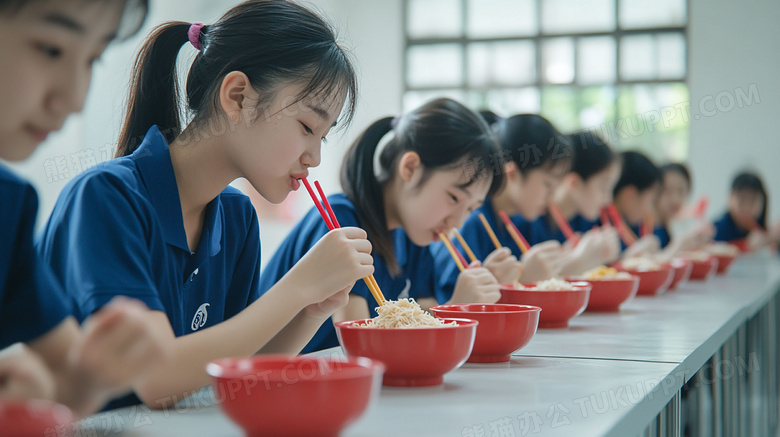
(638, 57)
(654, 119)
(564, 16)
(657, 13)
(559, 105)
(504, 63)
(671, 55)
(434, 18)
(498, 18)
(511, 101)
(434, 65)
(558, 60)
(596, 60)
(414, 99)
(597, 107)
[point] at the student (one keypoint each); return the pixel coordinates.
(672, 196)
(745, 218)
(53, 45)
(421, 189)
(161, 224)
(634, 195)
(534, 157)
(583, 193)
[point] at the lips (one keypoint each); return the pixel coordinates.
(40, 135)
(294, 183)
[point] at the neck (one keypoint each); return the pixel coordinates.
(503, 202)
(201, 171)
(566, 203)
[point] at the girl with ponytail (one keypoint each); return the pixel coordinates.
(428, 180)
(159, 223)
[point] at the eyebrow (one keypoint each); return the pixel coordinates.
(323, 114)
(70, 24)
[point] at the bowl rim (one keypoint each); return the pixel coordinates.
(633, 278)
(462, 323)
(519, 308)
(224, 368)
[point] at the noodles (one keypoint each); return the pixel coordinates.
(402, 313)
(553, 284)
(605, 273)
(696, 255)
(723, 249)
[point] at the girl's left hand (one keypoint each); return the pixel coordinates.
(504, 266)
(23, 375)
(327, 307)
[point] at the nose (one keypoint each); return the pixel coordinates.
(312, 156)
(70, 90)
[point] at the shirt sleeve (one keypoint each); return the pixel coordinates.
(97, 243)
(31, 301)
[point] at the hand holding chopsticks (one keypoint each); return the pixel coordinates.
(332, 223)
(521, 242)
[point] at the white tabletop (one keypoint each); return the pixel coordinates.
(606, 375)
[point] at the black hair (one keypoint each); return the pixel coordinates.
(133, 15)
(273, 42)
(533, 142)
(490, 117)
(444, 133)
(678, 168)
(638, 171)
(591, 154)
(748, 181)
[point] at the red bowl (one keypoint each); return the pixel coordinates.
(502, 328)
(682, 271)
(558, 306)
(704, 270)
(652, 282)
(269, 394)
(34, 418)
(724, 262)
(414, 357)
(607, 295)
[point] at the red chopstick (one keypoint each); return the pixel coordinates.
(626, 234)
(605, 218)
(564, 225)
(330, 220)
(519, 239)
(701, 208)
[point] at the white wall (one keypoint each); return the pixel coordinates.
(734, 45)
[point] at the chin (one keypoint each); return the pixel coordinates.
(421, 239)
(17, 150)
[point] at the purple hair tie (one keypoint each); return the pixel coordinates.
(194, 35)
(394, 122)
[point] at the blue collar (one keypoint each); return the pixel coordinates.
(153, 160)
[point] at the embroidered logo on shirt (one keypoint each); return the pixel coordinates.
(200, 317)
(405, 292)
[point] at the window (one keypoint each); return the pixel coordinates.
(615, 66)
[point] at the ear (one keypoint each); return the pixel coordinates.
(236, 95)
(510, 171)
(408, 165)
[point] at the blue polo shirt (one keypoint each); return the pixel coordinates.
(726, 229)
(416, 264)
(117, 229)
(477, 238)
(31, 301)
(662, 232)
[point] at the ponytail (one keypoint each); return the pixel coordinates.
(154, 88)
(364, 189)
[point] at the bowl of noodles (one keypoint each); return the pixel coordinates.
(654, 277)
(559, 300)
(682, 271)
(704, 264)
(265, 394)
(725, 253)
(610, 288)
(417, 348)
(502, 329)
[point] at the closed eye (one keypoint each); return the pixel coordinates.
(49, 50)
(453, 198)
(307, 129)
